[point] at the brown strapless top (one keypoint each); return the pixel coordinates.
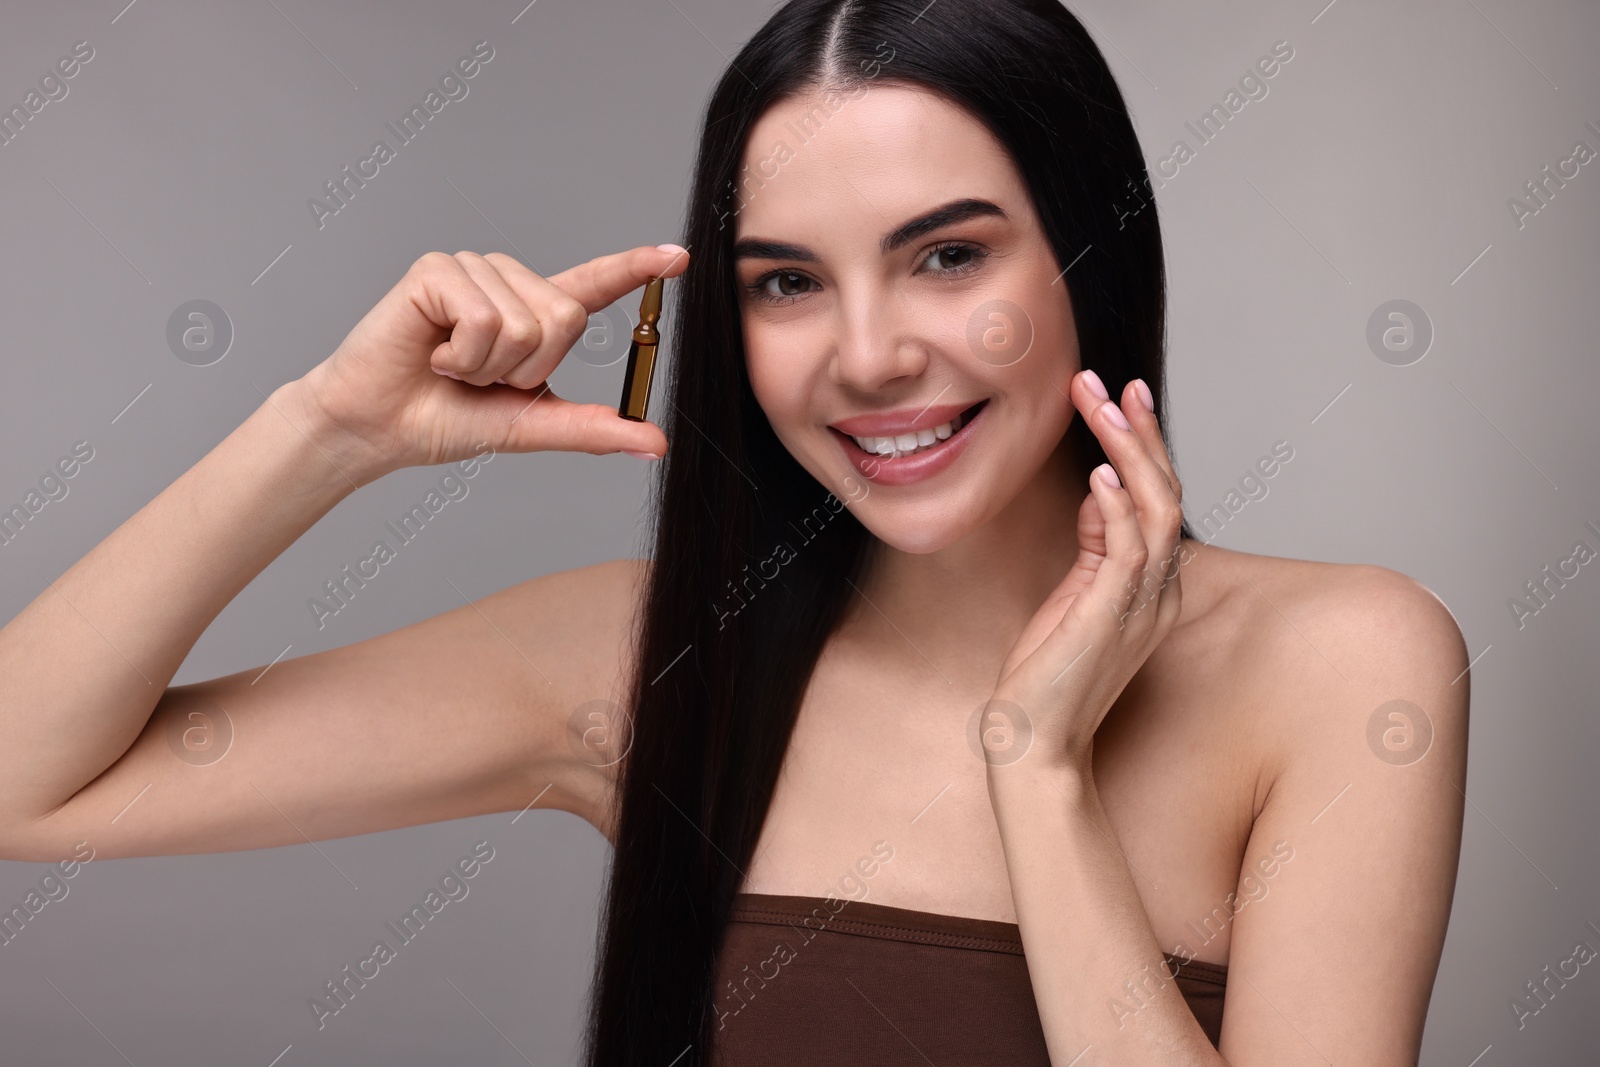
(799, 984)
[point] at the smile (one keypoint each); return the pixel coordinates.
(913, 456)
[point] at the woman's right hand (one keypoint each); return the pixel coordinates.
(485, 320)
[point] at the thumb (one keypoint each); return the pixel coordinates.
(551, 424)
(1091, 527)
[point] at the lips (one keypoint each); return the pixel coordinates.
(890, 444)
(902, 420)
(895, 469)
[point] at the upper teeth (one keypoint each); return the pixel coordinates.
(906, 443)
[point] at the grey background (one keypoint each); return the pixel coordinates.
(1378, 167)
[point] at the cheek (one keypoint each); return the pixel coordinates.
(1056, 349)
(1058, 334)
(1020, 338)
(1039, 379)
(781, 384)
(768, 391)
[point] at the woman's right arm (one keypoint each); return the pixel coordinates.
(457, 715)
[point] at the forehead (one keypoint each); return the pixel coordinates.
(857, 164)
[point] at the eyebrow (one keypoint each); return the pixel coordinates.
(944, 215)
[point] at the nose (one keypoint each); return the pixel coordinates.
(875, 344)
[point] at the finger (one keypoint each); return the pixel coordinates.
(1092, 527)
(1119, 581)
(1144, 422)
(562, 320)
(604, 280)
(564, 314)
(448, 297)
(1092, 620)
(1151, 593)
(1138, 404)
(549, 423)
(520, 331)
(1159, 513)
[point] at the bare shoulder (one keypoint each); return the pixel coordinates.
(1320, 647)
(1350, 683)
(1360, 618)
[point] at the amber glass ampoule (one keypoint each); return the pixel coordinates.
(642, 355)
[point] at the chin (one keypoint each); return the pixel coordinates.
(921, 543)
(904, 529)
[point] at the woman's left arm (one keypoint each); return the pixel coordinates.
(1337, 966)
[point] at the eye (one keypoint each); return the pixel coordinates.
(759, 290)
(956, 249)
(791, 283)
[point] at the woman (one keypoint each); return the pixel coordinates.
(910, 553)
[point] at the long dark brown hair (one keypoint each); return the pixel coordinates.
(726, 642)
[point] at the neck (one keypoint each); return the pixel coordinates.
(997, 576)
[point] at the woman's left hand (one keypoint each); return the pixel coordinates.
(1116, 603)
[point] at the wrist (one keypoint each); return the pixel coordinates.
(347, 457)
(1072, 778)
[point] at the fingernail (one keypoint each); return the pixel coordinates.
(501, 381)
(447, 374)
(1116, 416)
(672, 248)
(1096, 386)
(1144, 394)
(1108, 474)
(641, 455)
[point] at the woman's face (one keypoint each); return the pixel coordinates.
(893, 276)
